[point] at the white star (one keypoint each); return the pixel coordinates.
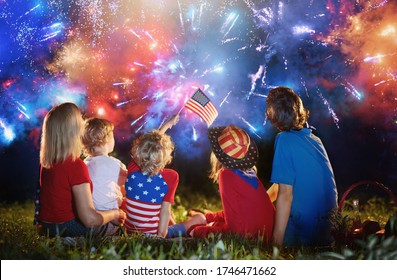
(132, 176)
(144, 173)
(157, 188)
(153, 200)
(149, 180)
(140, 185)
(160, 176)
(164, 183)
(126, 180)
(129, 188)
(145, 192)
(137, 197)
(162, 195)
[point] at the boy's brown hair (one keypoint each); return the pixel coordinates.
(285, 109)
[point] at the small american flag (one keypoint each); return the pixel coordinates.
(200, 104)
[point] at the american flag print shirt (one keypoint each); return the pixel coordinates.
(144, 195)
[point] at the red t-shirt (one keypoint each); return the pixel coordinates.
(247, 210)
(56, 197)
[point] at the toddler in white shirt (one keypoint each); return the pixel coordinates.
(107, 173)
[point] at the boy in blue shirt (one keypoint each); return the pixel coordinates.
(302, 174)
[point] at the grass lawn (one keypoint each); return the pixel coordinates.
(19, 240)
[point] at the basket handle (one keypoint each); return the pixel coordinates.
(381, 186)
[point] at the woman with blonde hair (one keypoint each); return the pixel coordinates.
(66, 204)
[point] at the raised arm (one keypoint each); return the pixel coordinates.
(169, 123)
(283, 209)
(86, 211)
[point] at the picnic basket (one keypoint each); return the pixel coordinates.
(361, 229)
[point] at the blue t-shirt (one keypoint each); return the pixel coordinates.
(300, 160)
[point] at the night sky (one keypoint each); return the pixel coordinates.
(137, 62)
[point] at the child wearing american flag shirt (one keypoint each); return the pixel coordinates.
(150, 187)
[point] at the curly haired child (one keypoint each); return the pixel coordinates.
(150, 187)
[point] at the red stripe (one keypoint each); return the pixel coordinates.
(143, 220)
(142, 207)
(223, 140)
(213, 109)
(132, 228)
(239, 153)
(208, 113)
(229, 148)
(243, 138)
(199, 110)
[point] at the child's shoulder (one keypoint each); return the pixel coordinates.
(170, 175)
(133, 167)
(114, 159)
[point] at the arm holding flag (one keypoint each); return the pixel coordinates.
(200, 104)
(169, 123)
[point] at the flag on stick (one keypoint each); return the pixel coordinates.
(200, 104)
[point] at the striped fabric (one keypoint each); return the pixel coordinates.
(234, 142)
(144, 195)
(142, 217)
(200, 104)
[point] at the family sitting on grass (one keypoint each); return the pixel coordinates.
(100, 194)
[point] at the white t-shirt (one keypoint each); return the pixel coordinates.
(104, 173)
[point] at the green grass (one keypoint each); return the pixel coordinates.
(19, 240)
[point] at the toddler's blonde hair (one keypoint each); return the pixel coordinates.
(97, 133)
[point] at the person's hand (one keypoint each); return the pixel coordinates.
(169, 123)
(121, 219)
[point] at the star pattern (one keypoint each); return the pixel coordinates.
(145, 188)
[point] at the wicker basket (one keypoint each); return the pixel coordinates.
(392, 196)
(368, 227)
